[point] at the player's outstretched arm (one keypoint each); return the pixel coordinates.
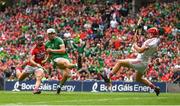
(135, 38)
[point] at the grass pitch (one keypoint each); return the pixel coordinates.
(87, 98)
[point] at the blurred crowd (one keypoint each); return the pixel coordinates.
(96, 35)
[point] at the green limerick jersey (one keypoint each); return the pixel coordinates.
(55, 44)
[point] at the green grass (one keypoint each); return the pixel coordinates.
(87, 98)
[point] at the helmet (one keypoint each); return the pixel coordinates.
(153, 31)
(51, 30)
(39, 37)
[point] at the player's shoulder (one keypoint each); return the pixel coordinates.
(58, 39)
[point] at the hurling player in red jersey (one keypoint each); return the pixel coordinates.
(34, 64)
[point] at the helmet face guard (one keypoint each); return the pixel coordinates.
(40, 38)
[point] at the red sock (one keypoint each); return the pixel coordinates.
(152, 86)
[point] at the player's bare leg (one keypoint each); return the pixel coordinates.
(66, 75)
(106, 80)
(21, 76)
(70, 65)
(140, 78)
(119, 64)
(39, 75)
(64, 65)
(115, 69)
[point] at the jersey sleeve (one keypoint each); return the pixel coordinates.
(60, 41)
(46, 45)
(155, 42)
(147, 43)
(33, 52)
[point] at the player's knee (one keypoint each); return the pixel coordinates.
(20, 78)
(60, 64)
(65, 64)
(39, 77)
(66, 74)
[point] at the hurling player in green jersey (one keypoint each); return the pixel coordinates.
(58, 56)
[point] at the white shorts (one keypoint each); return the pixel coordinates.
(138, 64)
(30, 69)
(61, 59)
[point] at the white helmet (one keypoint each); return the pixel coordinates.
(51, 30)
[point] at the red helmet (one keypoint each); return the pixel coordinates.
(153, 31)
